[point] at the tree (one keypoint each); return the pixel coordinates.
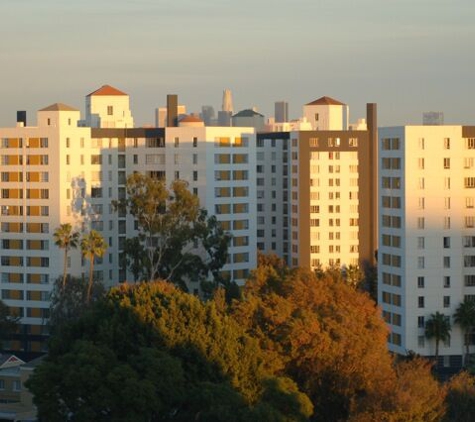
(465, 317)
(411, 395)
(182, 359)
(70, 303)
(65, 238)
(438, 328)
(461, 398)
(92, 246)
(8, 323)
(177, 240)
(320, 332)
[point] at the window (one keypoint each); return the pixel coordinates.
(420, 222)
(421, 341)
(446, 261)
(195, 142)
(420, 302)
(446, 301)
(96, 192)
(420, 262)
(469, 182)
(96, 159)
(177, 142)
(469, 280)
(446, 242)
(447, 203)
(420, 242)
(468, 241)
(110, 110)
(421, 322)
(420, 282)
(446, 281)
(446, 222)
(446, 143)
(446, 163)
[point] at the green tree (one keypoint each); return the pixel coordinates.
(65, 238)
(71, 302)
(8, 323)
(465, 317)
(92, 246)
(183, 360)
(177, 239)
(438, 328)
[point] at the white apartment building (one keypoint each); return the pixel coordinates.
(426, 256)
(316, 193)
(58, 172)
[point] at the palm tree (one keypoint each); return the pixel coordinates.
(465, 317)
(92, 246)
(66, 239)
(438, 328)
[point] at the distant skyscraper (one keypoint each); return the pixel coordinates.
(434, 118)
(207, 115)
(227, 101)
(281, 111)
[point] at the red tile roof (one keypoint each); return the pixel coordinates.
(326, 101)
(106, 90)
(191, 119)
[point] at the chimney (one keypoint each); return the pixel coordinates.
(21, 118)
(172, 110)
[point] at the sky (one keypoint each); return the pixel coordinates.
(409, 56)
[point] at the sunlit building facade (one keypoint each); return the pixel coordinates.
(317, 193)
(426, 255)
(61, 171)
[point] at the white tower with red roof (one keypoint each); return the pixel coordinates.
(107, 107)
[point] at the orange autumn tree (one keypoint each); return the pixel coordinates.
(326, 336)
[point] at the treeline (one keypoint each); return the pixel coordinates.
(295, 346)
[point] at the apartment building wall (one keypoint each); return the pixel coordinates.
(38, 165)
(317, 195)
(426, 256)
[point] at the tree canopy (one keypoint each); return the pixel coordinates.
(177, 240)
(292, 347)
(331, 340)
(151, 352)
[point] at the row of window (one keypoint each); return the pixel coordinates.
(30, 244)
(17, 160)
(226, 158)
(30, 295)
(32, 210)
(29, 142)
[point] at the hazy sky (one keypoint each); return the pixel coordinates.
(409, 56)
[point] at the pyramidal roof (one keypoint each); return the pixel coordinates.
(59, 107)
(190, 119)
(248, 113)
(106, 90)
(326, 101)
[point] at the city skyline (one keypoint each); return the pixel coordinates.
(408, 57)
